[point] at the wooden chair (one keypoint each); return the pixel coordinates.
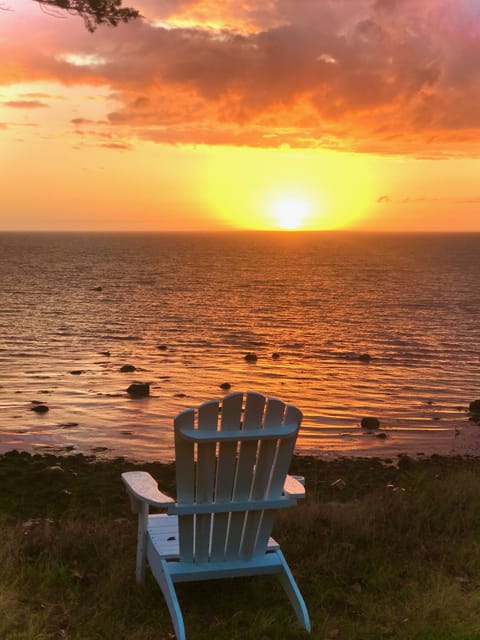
(232, 458)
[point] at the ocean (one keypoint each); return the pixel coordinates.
(185, 309)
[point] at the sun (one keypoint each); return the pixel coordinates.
(290, 213)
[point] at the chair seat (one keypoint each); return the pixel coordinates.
(162, 532)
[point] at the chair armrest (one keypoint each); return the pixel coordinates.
(142, 487)
(293, 488)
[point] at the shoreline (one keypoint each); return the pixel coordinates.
(41, 485)
(462, 439)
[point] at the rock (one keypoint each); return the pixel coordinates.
(40, 408)
(77, 372)
(97, 289)
(474, 406)
(225, 385)
(179, 395)
(105, 353)
(365, 357)
(381, 436)
(162, 347)
(251, 357)
(127, 368)
(275, 356)
(370, 423)
(139, 389)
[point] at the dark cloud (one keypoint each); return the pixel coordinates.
(383, 76)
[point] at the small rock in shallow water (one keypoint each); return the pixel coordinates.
(365, 357)
(105, 353)
(127, 368)
(162, 347)
(40, 408)
(474, 406)
(370, 423)
(381, 436)
(251, 357)
(97, 289)
(139, 389)
(77, 372)
(275, 356)
(225, 385)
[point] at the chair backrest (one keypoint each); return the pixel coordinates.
(232, 457)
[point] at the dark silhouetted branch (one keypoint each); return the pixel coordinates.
(94, 12)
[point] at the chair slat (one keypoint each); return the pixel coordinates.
(206, 467)
(274, 414)
(226, 469)
(282, 462)
(285, 452)
(185, 476)
(252, 419)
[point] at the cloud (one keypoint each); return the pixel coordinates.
(428, 198)
(117, 145)
(371, 76)
(25, 104)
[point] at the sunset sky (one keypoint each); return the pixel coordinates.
(213, 114)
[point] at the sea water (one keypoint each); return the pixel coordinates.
(185, 309)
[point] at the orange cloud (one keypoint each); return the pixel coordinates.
(25, 104)
(384, 76)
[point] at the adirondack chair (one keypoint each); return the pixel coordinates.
(232, 458)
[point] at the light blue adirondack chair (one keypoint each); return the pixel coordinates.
(232, 459)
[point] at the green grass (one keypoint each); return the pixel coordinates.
(379, 553)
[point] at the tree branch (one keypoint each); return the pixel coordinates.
(94, 12)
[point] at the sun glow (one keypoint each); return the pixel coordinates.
(290, 213)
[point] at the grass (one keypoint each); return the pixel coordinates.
(379, 552)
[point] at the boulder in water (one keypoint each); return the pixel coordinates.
(365, 357)
(251, 357)
(139, 389)
(370, 423)
(40, 408)
(127, 368)
(226, 386)
(474, 406)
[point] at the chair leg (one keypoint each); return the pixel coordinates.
(167, 586)
(293, 592)
(141, 542)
